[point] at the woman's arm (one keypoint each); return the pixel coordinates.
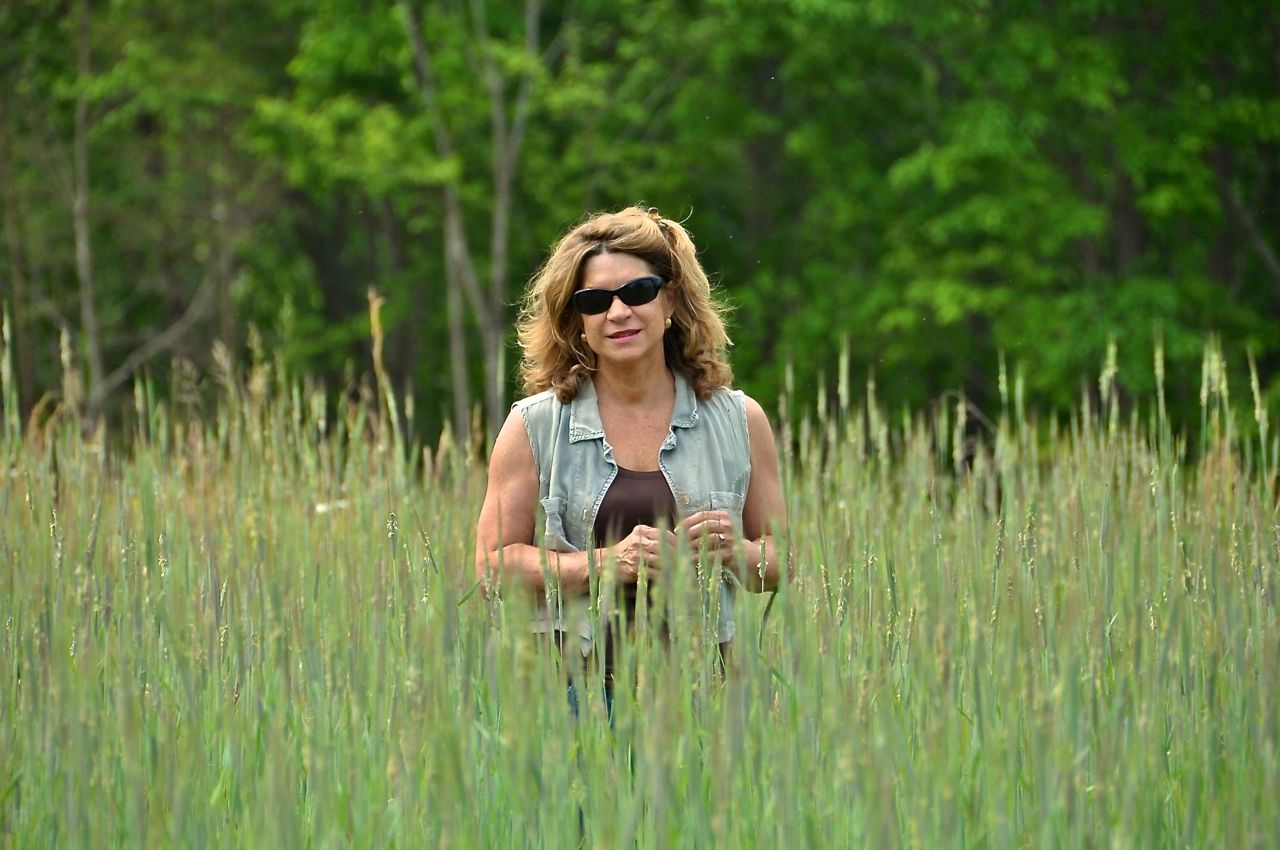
(754, 558)
(764, 515)
(504, 532)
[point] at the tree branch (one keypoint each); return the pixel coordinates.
(520, 117)
(455, 235)
(499, 159)
(156, 344)
(1256, 239)
(457, 249)
(80, 206)
(426, 78)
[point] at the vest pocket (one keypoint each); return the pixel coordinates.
(723, 500)
(727, 500)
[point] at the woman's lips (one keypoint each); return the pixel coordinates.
(623, 334)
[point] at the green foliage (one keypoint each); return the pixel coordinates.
(938, 184)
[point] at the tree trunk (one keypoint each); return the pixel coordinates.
(457, 351)
(495, 379)
(408, 335)
(487, 302)
(508, 140)
(80, 217)
(1128, 231)
(496, 318)
(24, 378)
(224, 261)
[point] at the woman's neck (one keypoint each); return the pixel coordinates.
(640, 385)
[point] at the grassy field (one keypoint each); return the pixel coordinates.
(258, 627)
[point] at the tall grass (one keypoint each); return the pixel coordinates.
(258, 626)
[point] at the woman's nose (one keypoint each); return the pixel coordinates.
(617, 309)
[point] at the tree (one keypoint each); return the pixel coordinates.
(139, 131)
(508, 122)
(939, 185)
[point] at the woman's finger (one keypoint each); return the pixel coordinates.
(713, 527)
(714, 520)
(693, 520)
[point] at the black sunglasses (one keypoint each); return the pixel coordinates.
(633, 293)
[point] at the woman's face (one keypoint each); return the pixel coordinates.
(624, 335)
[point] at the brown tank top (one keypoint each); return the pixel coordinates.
(634, 498)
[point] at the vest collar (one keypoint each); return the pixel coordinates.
(584, 410)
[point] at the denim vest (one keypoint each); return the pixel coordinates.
(705, 459)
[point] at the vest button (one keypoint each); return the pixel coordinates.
(684, 500)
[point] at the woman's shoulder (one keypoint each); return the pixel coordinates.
(544, 399)
(727, 399)
(741, 408)
(543, 415)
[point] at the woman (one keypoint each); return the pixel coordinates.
(630, 434)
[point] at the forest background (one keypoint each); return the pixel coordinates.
(929, 186)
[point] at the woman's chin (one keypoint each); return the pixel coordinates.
(625, 355)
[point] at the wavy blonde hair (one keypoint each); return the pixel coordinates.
(554, 354)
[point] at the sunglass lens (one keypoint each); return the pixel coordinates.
(642, 290)
(592, 301)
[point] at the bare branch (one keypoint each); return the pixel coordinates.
(156, 344)
(497, 90)
(459, 253)
(455, 235)
(532, 15)
(426, 78)
(1259, 242)
(507, 156)
(80, 206)
(492, 77)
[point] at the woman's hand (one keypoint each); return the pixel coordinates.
(642, 551)
(712, 533)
